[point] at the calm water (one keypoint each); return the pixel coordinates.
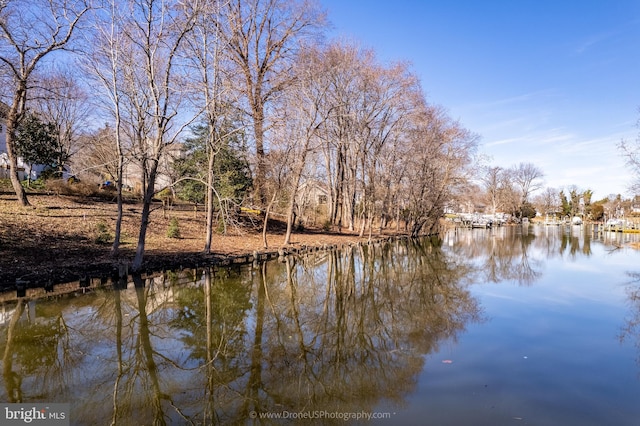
(536, 326)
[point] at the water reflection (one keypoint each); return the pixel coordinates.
(341, 331)
(631, 329)
(519, 254)
(37, 353)
(12, 378)
(338, 331)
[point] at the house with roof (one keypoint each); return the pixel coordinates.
(635, 204)
(312, 200)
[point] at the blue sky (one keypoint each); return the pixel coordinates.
(554, 83)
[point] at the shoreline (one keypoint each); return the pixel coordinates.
(156, 262)
(116, 273)
(54, 241)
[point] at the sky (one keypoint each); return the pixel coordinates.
(549, 82)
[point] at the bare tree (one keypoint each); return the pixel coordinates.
(61, 101)
(214, 92)
(30, 30)
(393, 171)
(262, 37)
(511, 194)
(154, 32)
(492, 180)
(439, 163)
(99, 157)
(548, 201)
(631, 151)
(393, 95)
(104, 64)
(348, 68)
(528, 179)
(302, 113)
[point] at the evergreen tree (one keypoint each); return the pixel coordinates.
(565, 204)
(232, 174)
(36, 142)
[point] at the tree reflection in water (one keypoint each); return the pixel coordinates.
(631, 328)
(519, 254)
(37, 351)
(347, 334)
(334, 331)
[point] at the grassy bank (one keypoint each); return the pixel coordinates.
(63, 238)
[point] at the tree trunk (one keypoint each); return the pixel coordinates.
(290, 215)
(352, 199)
(29, 176)
(266, 220)
(371, 226)
(337, 214)
(13, 162)
(292, 203)
(12, 379)
(115, 248)
(260, 177)
(209, 232)
(331, 188)
(144, 218)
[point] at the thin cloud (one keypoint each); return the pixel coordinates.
(536, 139)
(594, 40)
(525, 97)
(601, 37)
(503, 142)
(555, 137)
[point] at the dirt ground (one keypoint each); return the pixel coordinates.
(54, 239)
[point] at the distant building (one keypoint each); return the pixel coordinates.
(312, 193)
(635, 204)
(312, 200)
(132, 175)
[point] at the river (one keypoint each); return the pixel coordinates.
(532, 325)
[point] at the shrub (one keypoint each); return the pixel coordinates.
(34, 184)
(166, 196)
(57, 186)
(64, 187)
(103, 236)
(174, 229)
